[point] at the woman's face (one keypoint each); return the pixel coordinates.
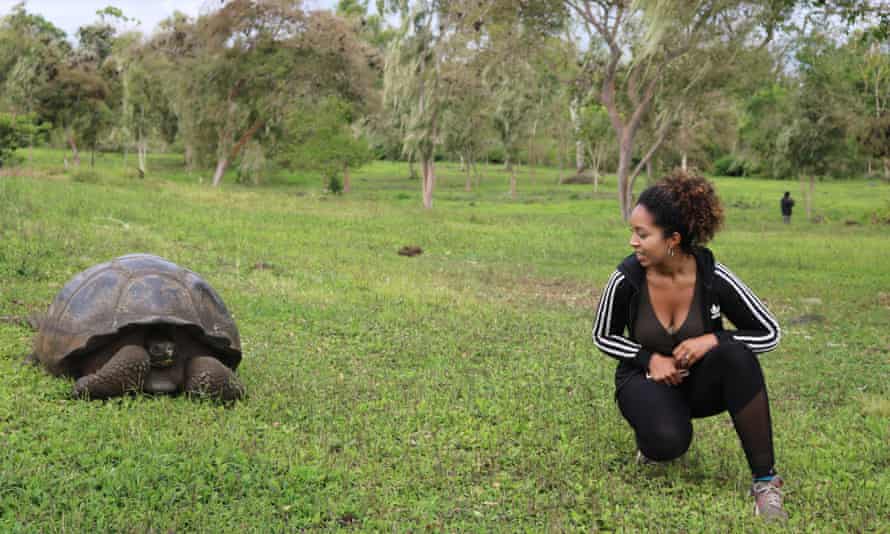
(647, 239)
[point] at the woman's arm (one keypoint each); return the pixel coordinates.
(611, 321)
(756, 326)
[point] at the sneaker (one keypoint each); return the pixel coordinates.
(768, 499)
(642, 459)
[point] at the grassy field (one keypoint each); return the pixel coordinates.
(456, 391)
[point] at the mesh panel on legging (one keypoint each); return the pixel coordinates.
(753, 425)
(730, 378)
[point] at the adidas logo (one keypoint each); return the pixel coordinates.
(715, 311)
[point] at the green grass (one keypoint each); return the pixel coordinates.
(458, 390)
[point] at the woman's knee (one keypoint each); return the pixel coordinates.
(663, 442)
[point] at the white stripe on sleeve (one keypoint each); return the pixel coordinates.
(613, 345)
(763, 343)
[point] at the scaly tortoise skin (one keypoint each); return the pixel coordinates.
(141, 323)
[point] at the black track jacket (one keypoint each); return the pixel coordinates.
(724, 294)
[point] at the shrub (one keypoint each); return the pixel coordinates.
(335, 185)
(15, 132)
(730, 165)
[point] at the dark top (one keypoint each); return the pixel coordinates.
(787, 204)
(722, 293)
(654, 336)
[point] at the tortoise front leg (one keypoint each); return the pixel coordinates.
(124, 372)
(207, 376)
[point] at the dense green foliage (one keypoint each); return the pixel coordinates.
(321, 138)
(744, 87)
(16, 132)
(455, 391)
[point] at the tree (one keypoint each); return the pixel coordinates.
(873, 58)
(764, 115)
(595, 130)
(876, 139)
(239, 69)
(75, 100)
(31, 50)
(430, 49)
(512, 106)
(28, 38)
(15, 132)
(816, 132)
(642, 40)
(413, 88)
(321, 138)
(517, 73)
(467, 121)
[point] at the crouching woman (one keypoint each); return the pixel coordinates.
(661, 316)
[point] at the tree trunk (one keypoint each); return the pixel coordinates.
(347, 187)
(561, 151)
(189, 157)
(683, 163)
(887, 169)
(142, 151)
(93, 157)
(812, 196)
(595, 153)
(412, 172)
(808, 193)
(512, 181)
(574, 114)
(532, 156)
(625, 200)
(596, 171)
(75, 156)
(221, 165)
(223, 162)
(531, 162)
(650, 174)
(468, 186)
(428, 180)
(579, 157)
(463, 164)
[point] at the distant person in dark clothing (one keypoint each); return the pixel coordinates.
(787, 204)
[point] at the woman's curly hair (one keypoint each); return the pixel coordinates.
(686, 203)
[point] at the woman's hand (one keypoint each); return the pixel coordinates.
(664, 370)
(690, 351)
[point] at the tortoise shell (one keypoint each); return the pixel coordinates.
(137, 289)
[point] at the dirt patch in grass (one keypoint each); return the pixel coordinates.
(528, 289)
(558, 291)
(807, 318)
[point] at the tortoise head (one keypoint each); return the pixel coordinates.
(161, 345)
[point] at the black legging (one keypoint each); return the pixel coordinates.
(727, 377)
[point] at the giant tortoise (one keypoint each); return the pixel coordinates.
(141, 323)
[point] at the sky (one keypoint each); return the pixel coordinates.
(71, 14)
